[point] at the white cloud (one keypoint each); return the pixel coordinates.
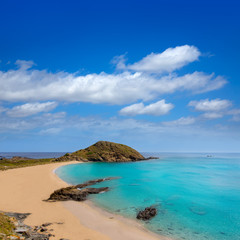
(29, 85)
(24, 65)
(168, 61)
(29, 109)
(214, 105)
(212, 115)
(157, 109)
(216, 108)
(117, 129)
(181, 121)
(46, 120)
(50, 131)
(234, 112)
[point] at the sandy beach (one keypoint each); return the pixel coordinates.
(23, 189)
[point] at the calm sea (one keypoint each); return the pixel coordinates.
(36, 155)
(197, 196)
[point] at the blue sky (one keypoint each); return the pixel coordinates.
(156, 75)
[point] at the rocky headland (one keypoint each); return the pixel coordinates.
(104, 151)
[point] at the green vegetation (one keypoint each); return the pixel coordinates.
(6, 226)
(104, 151)
(101, 151)
(6, 164)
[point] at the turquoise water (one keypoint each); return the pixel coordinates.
(197, 197)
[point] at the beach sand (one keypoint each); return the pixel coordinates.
(23, 189)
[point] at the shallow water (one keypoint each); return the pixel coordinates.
(197, 197)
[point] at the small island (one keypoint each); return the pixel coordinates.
(104, 151)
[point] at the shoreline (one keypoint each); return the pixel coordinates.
(108, 220)
(23, 189)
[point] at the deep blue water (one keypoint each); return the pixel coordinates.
(197, 197)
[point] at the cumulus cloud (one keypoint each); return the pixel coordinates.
(168, 61)
(29, 85)
(157, 109)
(216, 108)
(29, 109)
(207, 105)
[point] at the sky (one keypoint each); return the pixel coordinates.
(159, 76)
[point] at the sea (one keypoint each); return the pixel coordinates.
(197, 195)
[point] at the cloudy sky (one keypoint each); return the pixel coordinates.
(155, 75)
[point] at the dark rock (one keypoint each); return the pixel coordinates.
(72, 193)
(150, 158)
(78, 192)
(93, 182)
(51, 235)
(46, 224)
(38, 236)
(147, 213)
(43, 229)
(19, 216)
(25, 231)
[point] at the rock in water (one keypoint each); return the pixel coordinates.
(103, 151)
(147, 213)
(78, 192)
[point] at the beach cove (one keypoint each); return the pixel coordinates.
(196, 195)
(23, 190)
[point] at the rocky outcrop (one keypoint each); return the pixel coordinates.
(23, 231)
(78, 192)
(147, 213)
(104, 151)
